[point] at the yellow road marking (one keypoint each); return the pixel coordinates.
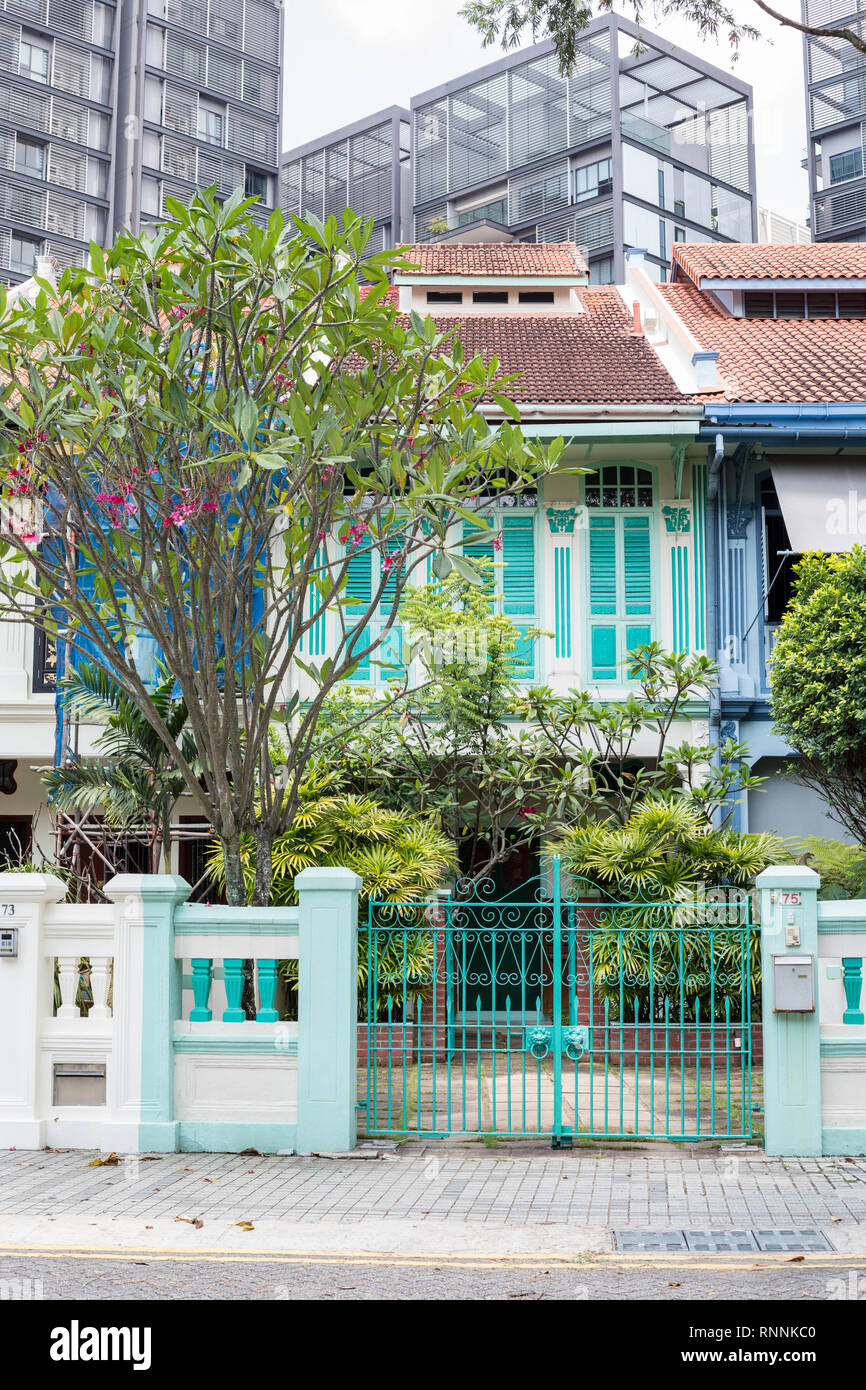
(587, 1261)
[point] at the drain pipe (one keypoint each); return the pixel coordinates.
(715, 458)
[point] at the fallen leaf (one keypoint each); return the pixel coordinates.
(835, 1218)
(110, 1161)
(48, 1149)
(250, 1153)
(245, 1225)
(148, 1228)
(190, 1221)
(217, 1180)
(672, 1284)
(796, 1259)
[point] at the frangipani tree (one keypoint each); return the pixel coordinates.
(203, 429)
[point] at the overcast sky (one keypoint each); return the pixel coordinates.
(348, 58)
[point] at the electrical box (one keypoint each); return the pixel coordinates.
(8, 941)
(794, 984)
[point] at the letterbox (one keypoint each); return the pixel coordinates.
(794, 984)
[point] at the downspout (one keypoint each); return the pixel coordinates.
(715, 457)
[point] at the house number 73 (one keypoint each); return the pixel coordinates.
(7, 909)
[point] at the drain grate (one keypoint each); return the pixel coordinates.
(650, 1240)
(792, 1240)
(722, 1241)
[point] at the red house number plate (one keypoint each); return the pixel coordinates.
(791, 899)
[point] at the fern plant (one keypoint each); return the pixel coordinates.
(130, 778)
(655, 931)
(399, 856)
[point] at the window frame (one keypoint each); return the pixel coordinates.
(620, 620)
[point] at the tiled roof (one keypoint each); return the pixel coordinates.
(569, 359)
(514, 258)
(826, 260)
(776, 359)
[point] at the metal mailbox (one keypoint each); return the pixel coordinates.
(794, 984)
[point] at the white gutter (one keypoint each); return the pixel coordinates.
(800, 282)
(445, 278)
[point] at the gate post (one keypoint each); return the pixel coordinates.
(792, 1051)
(327, 1010)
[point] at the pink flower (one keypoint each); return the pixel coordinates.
(497, 542)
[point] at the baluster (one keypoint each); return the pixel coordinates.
(267, 977)
(234, 983)
(99, 967)
(852, 979)
(202, 974)
(69, 976)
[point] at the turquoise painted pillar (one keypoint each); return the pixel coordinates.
(202, 970)
(267, 973)
(233, 979)
(852, 979)
(327, 1010)
(792, 1053)
(151, 899)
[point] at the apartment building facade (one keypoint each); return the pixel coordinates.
(835, 122)
(106, 110)
(628, 150)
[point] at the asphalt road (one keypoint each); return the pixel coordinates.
(337, 1278)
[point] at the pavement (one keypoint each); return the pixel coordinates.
(517, 1220)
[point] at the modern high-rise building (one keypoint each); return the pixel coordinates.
(629, 150)
(835, 122)
(365, 166)
(106, 110)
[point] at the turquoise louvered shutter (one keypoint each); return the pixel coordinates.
(314, 638)
(602, 564)
(636, 564)
(390, 653)
(518, 553)
(522, 662)
(359, 586)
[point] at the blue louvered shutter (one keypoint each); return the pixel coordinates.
(518, 576)
(359, 586)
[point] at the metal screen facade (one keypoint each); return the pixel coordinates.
(556, 1012)
(836, 122)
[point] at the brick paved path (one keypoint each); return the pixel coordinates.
(440, 1183)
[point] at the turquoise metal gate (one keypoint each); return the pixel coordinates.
(556, 1011)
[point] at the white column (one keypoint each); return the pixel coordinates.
(26, 1001)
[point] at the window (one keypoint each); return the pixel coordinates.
(663, 245)
(211, 125)
(514, 580)
(30, 158)
(23, 253)
(362, 581)
(848, 165)
(593, 180)
(493, 212)
(679, 233)
(620, 567)
(535, 297)
(444, 297)
(778, 568)
(661, 174)
(489, 296)
(679, 208)
(256, 185)
(34, 60)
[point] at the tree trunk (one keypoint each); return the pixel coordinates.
(264, 866)
(236, 895)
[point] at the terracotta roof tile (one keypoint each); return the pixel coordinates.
(569, 359)
(776, 359)
(517, 258)
(826, 260)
